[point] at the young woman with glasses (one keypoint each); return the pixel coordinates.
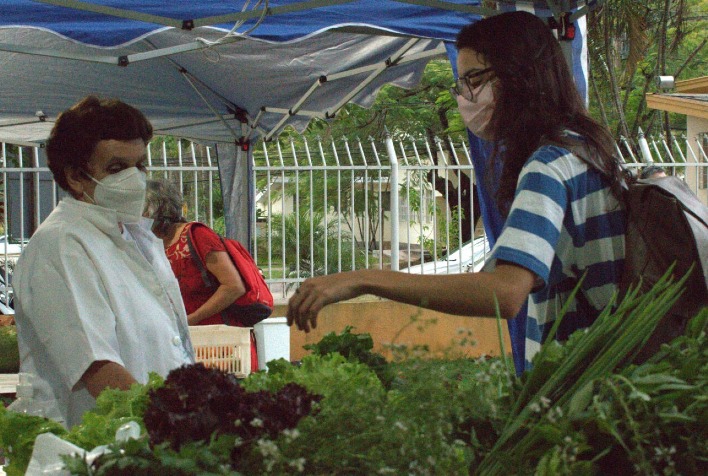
(558, 190)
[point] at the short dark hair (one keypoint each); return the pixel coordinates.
(80, 128)
(163, 203)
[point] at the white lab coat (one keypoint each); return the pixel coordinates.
(84, 293)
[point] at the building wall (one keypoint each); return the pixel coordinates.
(695, 127)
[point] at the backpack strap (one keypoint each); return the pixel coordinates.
(196, 257)
(581, 150)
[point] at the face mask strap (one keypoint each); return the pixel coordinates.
(89, 197)
(88, 175)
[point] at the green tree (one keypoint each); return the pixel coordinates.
(630, 44)
(426, 111)
(322, 247)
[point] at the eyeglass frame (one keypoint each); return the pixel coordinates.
(464, 82)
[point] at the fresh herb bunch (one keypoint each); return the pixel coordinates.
(647, 419)
(114, 408)
(356, 347)
(437, 418)
(561, 384)
(652, 419)
(9, 352)
(135, 457)
(473, 398)
(583, 409)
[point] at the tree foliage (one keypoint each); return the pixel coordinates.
(427, 111)
(632, 43)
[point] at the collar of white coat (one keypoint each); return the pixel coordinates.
(105, 219)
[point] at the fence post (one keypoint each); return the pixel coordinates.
(394, 201)
(644, 147)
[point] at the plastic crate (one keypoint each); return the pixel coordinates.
(223, 347)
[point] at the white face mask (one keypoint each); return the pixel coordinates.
(123, 192)
(477, 114)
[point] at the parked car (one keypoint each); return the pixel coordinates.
(470, 257)
(11, 246)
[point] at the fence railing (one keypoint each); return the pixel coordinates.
(325, 206)
(335, 206)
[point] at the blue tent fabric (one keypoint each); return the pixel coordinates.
(108, 31)
(493, 224)
(304, 47)
(90, 33)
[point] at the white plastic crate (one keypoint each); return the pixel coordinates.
(223, 347)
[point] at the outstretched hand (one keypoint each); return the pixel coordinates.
(316, 293)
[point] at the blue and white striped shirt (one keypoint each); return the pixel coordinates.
(563, 222)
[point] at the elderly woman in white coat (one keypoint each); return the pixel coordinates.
(97, 303)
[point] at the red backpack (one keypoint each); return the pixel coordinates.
(257, 303)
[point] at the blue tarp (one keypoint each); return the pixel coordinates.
(103, 30)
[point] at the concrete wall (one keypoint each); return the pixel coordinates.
(390, 322)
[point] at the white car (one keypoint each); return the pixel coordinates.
(470, 257)
(14, 247)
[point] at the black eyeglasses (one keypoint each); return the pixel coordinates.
(467, 83)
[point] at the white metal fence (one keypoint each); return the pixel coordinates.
(326, 206)
(334, 206)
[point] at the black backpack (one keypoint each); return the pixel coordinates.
(666, 224)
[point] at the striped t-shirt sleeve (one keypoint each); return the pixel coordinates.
(534, 224)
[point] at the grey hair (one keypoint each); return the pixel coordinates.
(163, 203)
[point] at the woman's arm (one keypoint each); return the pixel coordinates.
(104, 374)
(230, 288)
(469, 294)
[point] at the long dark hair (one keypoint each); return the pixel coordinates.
(536, 98)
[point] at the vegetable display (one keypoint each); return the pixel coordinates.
(584, 409)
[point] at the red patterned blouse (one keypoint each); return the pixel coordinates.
(191, 284)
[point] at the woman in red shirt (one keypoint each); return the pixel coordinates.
(163, 204)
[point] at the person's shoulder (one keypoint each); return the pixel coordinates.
(547, 154)
(57, 224)
(205, 238)
(52, 242)
(561, 157)
(201, 229)
(66, 226)
(565, 145)
(554, 159)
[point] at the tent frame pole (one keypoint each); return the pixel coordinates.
(218, 115)
(375, 70)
